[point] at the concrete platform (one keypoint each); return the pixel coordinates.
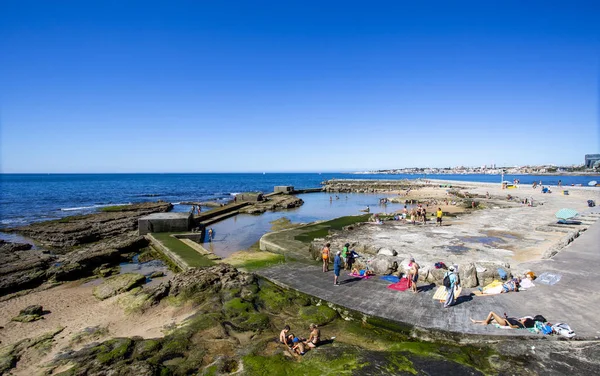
(574, 299)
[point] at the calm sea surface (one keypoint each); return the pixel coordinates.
(26, 198)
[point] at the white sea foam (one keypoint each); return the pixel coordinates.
(235, 193)
(92, 207)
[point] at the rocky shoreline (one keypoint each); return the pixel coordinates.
(77, 247)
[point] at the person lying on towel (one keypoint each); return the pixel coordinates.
(523, 322)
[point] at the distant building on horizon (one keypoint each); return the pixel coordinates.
(590, 159)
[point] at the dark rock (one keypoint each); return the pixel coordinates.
(32, 310)
(157, 274)
(29, 314)
(77, 230)
(22, 268)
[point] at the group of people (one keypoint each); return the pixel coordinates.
(195, 209)
(300, 345)
(342, 259)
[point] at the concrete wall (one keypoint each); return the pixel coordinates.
(284, 188)
(154, 223)
(249, 197)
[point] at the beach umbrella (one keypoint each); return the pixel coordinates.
(566, 214)
(592, 183)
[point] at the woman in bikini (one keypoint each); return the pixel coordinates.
(315, 336)
(523, 322)
(325, 256)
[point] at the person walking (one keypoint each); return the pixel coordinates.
(450, 299)
(439, 214)
(325, 256)
(337, 266)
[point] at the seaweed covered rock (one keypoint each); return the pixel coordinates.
(118, 284)
(28, 314)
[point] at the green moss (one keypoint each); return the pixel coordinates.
(398, 363)
(119, 349)
(237, 306)
(255, 321)
(115, 208)
(187, 254)
(321, 230)
(314, 363)
(146, 348)
(319, 315)
(273, 298)
(252, 265)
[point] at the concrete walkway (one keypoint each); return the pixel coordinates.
(575, 299)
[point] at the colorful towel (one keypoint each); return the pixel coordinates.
(390, 278)
(359, 276)
(402, 285)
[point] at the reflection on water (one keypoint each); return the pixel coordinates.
(241, 231)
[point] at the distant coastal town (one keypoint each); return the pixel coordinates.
(591, 166)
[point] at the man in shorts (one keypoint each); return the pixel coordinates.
(439, 214)
(337, 266)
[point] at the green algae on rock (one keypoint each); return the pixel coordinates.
(117, 284)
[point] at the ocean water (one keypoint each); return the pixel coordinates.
(26, 198)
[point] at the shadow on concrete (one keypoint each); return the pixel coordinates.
(428, 287)
(463, 299)
(349, 280)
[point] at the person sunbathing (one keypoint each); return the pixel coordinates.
(523, 322)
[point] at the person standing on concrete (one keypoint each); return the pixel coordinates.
(413, 274)
(325, 256)
(450, 300)
(337, 266)
(345, 256)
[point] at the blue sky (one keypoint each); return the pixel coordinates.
(228, 86)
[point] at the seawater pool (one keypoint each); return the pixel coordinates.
(243, 230)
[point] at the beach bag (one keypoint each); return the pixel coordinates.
(446, 281)
(502, 274)
(545, 329)
(564, 330)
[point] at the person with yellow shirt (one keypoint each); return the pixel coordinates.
(439, 216)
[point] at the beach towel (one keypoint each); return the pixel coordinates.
(441, 294)
(548, 278)
(399, 286)
(531, 330)
(390, 278)
(359, 276)
(493, 288)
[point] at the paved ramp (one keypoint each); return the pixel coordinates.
(575, 299)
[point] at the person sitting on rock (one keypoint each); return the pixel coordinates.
(298, 346)
(315, 336)
(283, 336)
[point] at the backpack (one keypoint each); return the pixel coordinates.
(446, 281)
